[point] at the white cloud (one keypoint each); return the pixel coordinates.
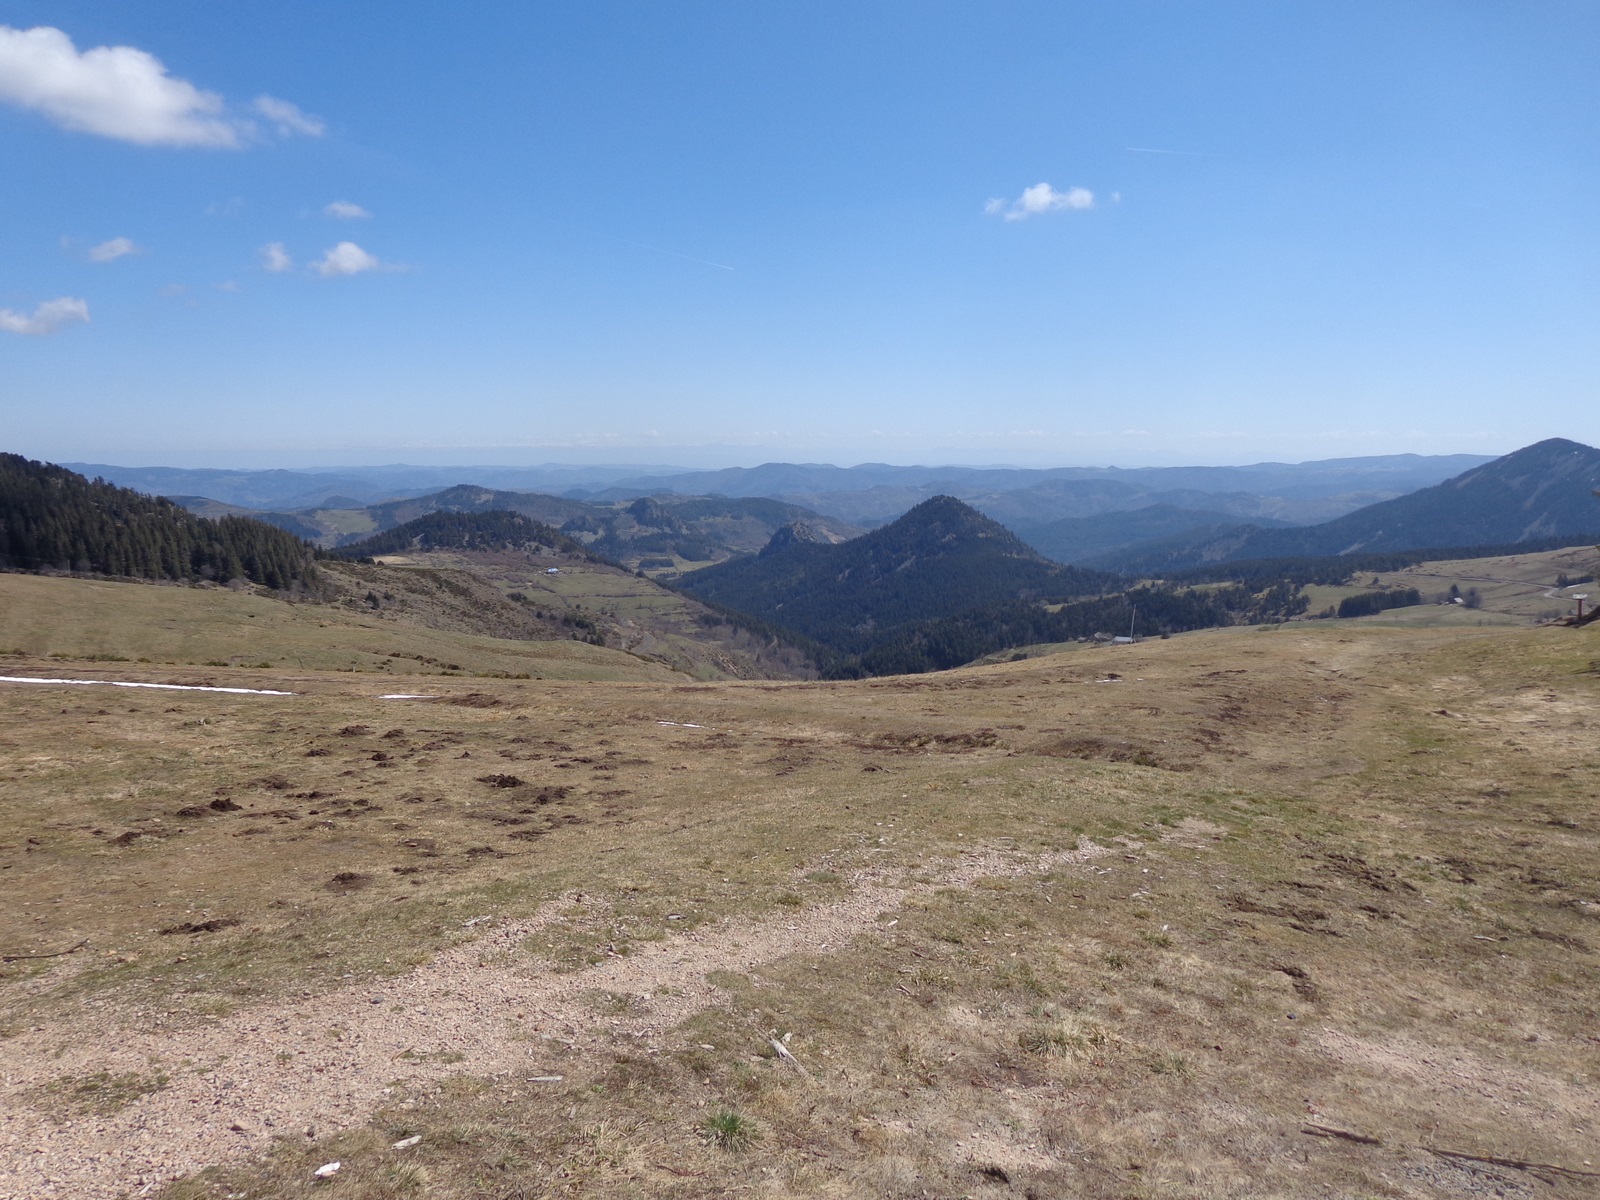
(346, 210)
(346, 258)
(47, 318)
(125, 93)
(274, 258)
(117, 247)
(114, 91)
(1040, 198)
(288, 117)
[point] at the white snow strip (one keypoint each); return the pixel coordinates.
(170, 687)
(680, 724)
(406, 696)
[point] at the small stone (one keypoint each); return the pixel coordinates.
(327, 1170)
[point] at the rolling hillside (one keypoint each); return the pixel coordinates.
(1080, 539)
(53, 519)
(661, 535)
(562, 589)
(941, 558)
(1541, 491)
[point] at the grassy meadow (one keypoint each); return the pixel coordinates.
(1297, 912)
(83, 620)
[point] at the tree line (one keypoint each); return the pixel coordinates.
(53, 519)
(1149, 611)
(495, 530)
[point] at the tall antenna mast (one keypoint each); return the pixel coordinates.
(1131, 615)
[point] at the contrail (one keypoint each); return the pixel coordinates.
(674, 253)
(1180, 153)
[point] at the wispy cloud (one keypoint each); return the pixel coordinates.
(117, 247)
(1039, 199)
(288, 118)
(346, 258)
(48, 317)
(125, 93)
(346, 211)
(274, 258)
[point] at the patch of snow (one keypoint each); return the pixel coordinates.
(171, 687)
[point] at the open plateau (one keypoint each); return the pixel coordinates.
(801, 832)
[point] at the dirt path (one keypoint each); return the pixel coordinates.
(280, 1071)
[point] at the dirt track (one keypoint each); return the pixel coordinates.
(280, 1071)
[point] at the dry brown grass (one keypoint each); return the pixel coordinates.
(430, 633)
(1349, 882)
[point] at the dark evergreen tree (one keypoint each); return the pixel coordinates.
(52, 519)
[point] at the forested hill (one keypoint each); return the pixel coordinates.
(940, 559)
(1541, 491)
(466, 531)
(53, 519)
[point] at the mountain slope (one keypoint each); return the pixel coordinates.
(566, 590)
(659, 534)
(53, 519)
(1540, 491)
(464, 531)
(1080, 539)
(941, 558)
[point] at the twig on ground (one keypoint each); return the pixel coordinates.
(678, 1172)
(1546, 1172)
(1536, 1169)
(1328, 1131)
(52, 954)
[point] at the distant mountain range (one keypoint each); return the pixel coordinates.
(940, 585)
(1143, 520)
(1022, 499)
(1394, 472)
(1069, 514)
(1541, 491)
(944, 585)
(656, 534)
(941, 558)
(348, 487)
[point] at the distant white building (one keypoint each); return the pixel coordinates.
(552, 570)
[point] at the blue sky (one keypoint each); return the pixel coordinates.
(729, 233)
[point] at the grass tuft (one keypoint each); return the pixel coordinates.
(730, 1130)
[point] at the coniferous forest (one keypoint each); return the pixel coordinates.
(53, 519)
(493, 530)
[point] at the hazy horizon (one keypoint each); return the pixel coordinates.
(185, 463)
